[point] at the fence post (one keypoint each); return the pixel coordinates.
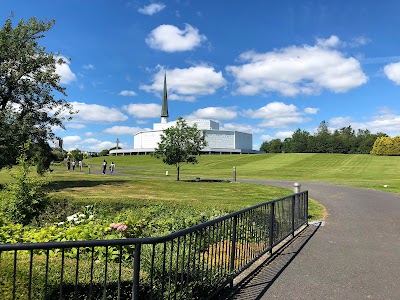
(136, 271)
(234, 173)
(271, 226)
(233, 248)
(293, 206)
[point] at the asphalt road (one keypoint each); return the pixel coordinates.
(355, 255)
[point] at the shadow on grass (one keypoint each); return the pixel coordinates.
(257, 283)
(58, 185)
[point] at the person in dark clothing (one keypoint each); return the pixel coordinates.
(104, 167)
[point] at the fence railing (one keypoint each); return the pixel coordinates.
(193, 263)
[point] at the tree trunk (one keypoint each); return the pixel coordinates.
(177, 178)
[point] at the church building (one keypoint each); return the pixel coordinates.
(218, 141)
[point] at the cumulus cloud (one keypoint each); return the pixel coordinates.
(186, 84)
(311, 110)
(91, 141)
(151, 9)
(121, 130)
(169, 38)
(64, 71)
(298, 70)
(392, 71)
(283, 134)
(276, 114)
(340, 122)
(214, 113)
(97, 113)
(141, 110)
(72, 139)
(75, 126)
(127, 93)
(240, 127)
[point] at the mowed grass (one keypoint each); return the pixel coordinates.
(355, 169)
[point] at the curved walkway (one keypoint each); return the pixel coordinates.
(356, 255)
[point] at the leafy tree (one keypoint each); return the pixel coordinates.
(104, 152)
(76, 155)
(180, 144)
(24, 197)
(29, 88)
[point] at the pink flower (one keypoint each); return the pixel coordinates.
(122, 227)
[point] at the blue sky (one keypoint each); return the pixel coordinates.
(264, 67)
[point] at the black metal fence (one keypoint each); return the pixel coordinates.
(190, 264)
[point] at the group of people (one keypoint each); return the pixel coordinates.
(112, 166)
(80, 164)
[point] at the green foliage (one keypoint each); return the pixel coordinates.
(180, 144)
(29, 86)
(386, 146)
(76, 155)
(104, 152)
(24, 197)
(343, 140)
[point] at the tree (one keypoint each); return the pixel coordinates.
(180, 144)
(29, 88)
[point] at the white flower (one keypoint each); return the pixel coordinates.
(82, 215)
(61, 223)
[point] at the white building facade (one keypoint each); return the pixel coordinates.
(218, 141)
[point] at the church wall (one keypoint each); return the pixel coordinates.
(243, 141)
(148, 139)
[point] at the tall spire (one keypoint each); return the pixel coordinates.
(164, 109)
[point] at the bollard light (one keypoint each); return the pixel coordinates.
(234, 173)
(296, 187)
(89, 168)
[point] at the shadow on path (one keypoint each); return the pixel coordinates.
(256, 284)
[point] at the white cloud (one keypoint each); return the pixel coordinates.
(89, 133)
(71, 139)
(186, 84)
(340, 122)
(151, 9)
(91, 141)
(64, 71)
(276, 114)
(266, 137)
(121, 130)
(311, 110)
(392, 72)
(283, 134)
(101, 146)
(75, 126)
(241, 127)
(331, 42)
(88, 67)
(141, 110)
(97, 113)
(127, 93)
(214, 113)
(298, 70)
(169, 38)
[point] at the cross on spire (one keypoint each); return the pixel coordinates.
(164, 109)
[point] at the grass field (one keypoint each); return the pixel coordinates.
(358, 170)
(140, 181)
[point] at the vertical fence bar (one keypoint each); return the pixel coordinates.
(293, 206)
(30, 275)
(233, 249)
(136, 272)
(271, 226)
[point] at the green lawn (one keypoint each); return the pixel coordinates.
(356, 169)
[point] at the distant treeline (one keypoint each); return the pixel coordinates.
(344, 140)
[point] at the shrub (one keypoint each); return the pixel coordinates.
(25, 197)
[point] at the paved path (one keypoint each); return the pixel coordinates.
(356, 255)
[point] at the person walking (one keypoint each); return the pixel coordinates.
(80, 164)
(68, 163)
(112, 166)
(104, 167)
(73, 165)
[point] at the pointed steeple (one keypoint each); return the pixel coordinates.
(164, 109)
